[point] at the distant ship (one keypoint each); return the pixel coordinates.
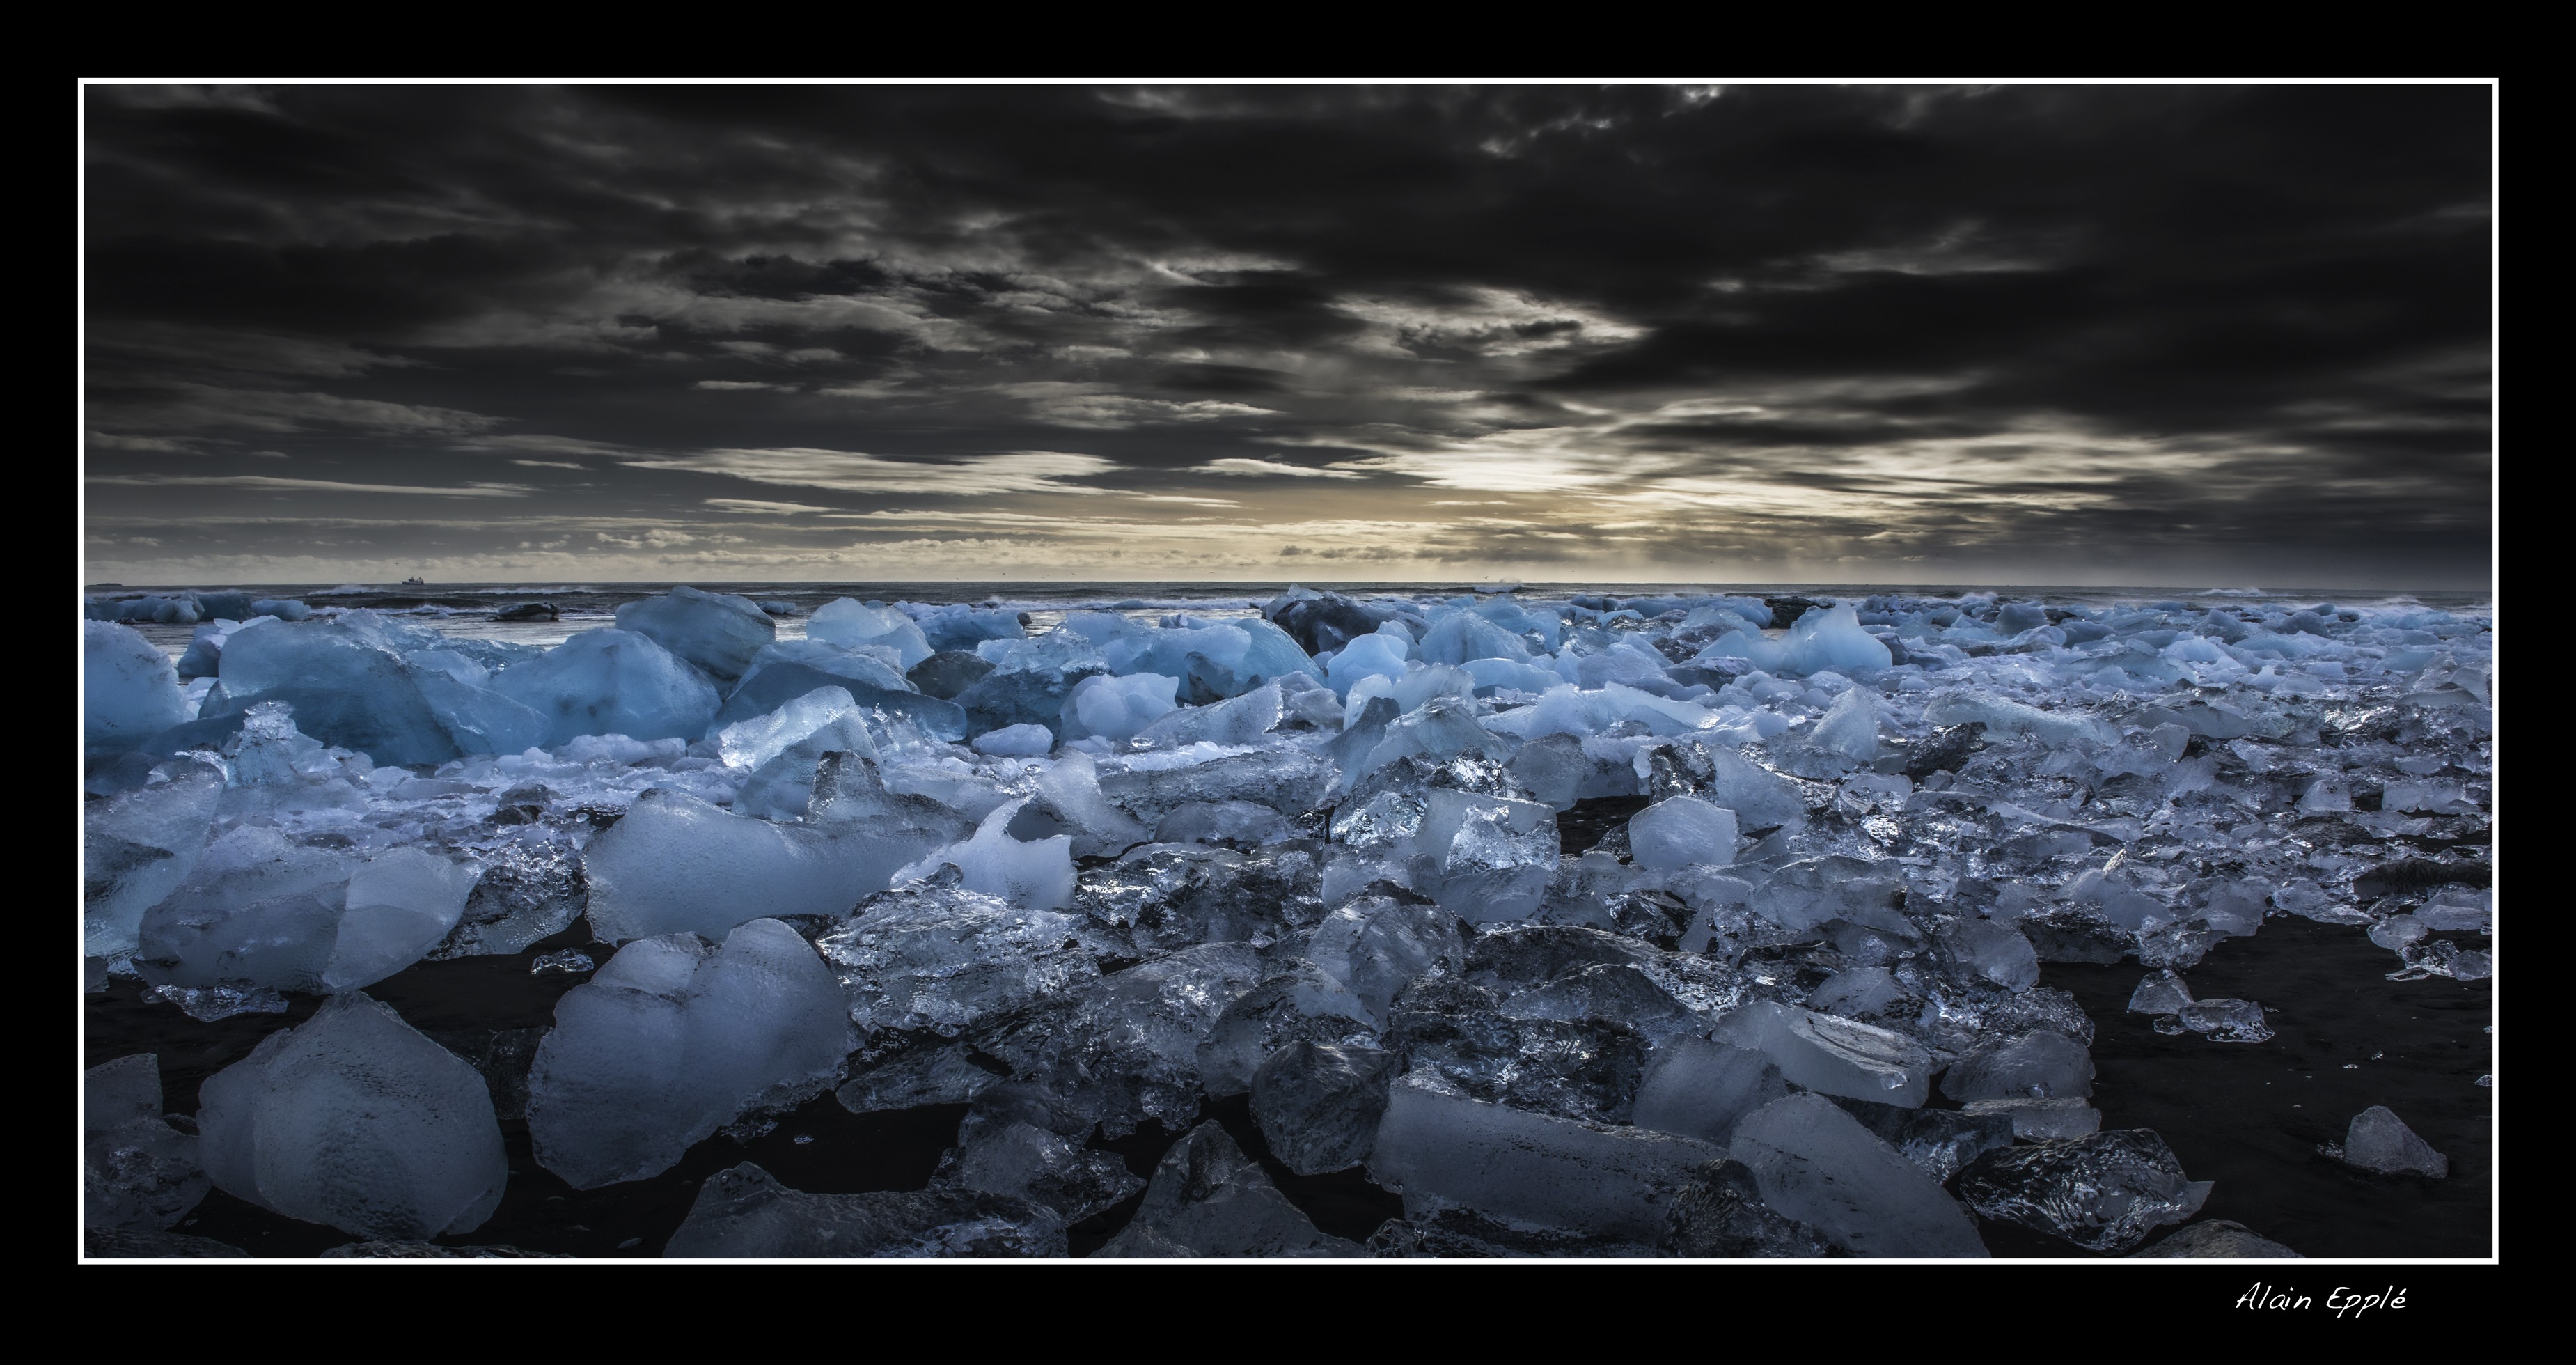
(415, 582)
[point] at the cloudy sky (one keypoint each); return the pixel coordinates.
(1637, 333)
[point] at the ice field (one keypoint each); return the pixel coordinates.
(1585, 925)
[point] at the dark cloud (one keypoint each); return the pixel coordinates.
(2178, 332)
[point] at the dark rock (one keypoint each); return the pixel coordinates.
(949, 672)
(529, 611)
(1326, 621)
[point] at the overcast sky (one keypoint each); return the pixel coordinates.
(2216, 336)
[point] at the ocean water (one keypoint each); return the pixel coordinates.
(466, 609)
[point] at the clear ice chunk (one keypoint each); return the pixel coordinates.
(1835, 1056)
(2039, 1064)
(1318, 1104)
(2380, 1141)
(1682, 831)
(942, 959)
(1702, 1089)
(2226, 1021)
(1816, 1164)
(2104, 1192)
(138, 847)
(1601, 1190)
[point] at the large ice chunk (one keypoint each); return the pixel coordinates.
(263, 910)
(849, 623)
(1116, 707)
(352, 1118)
(1958, 706)
(2105, 1192)
(1238, 720)
(1485, 858)
(676, 863)
(1126, 1046)
(792, 668)
(1318, 1104)
(400, 904)
(1036, 874)
(669, 1042)
(1680, 831)
(1817, 1164)
(745, 1213)
(1817, 641)
(1548, 1179)
(719, 632)
(1377, 943)
(1702, 1089)
(607, 682)
(139, 846)
(1849, 727)
(2040, 1064)
(1836, 1056)
(942, 959)
(129, 692)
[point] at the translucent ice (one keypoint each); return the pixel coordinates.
(1116, 707)
(1126, 1045)
(354, 1119)
(719, 632)
(1849, 727)
(1836, 1056)
(1301, 1003)
(2040, 1064)
(1701, 1089)
(138, 847)
(2037, 1120)
(1016, 741)
(1238, 720)
(2380, 1141)
(1720, 1215)
(2105, 1192)
(1377, 943)
(1679, 831)
(609, 682)
(2002, 717)
(2227, 1021)
(1037, 874)
(129, 692)
(942, 959)
(676, 863)
(847, 623)
(1995, 953)
(1604, 1190)
(1818, 1165)
(2159, 993)
(670, 1041)
(399, 905)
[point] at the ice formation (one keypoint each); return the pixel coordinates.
(1324, 856)
(672, 1040)
(352, 1118)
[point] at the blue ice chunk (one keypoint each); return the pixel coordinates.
(129, 692)
(719, 632)
(850, 623)
(609, 681)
